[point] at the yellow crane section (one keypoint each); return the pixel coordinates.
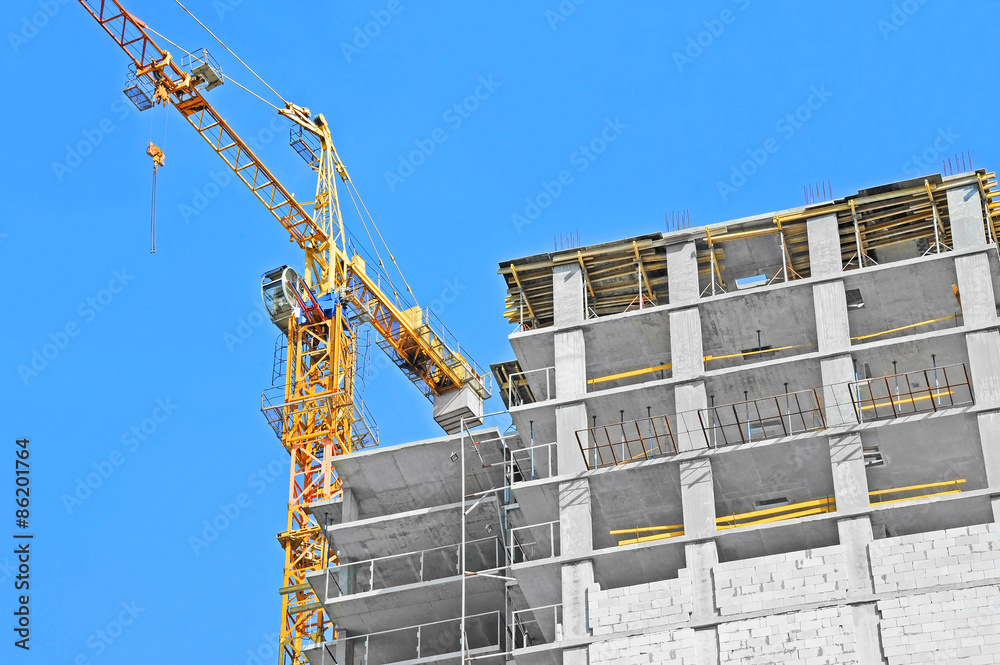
(318, 418)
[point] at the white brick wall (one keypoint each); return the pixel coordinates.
(676, 647)
(643, 606)
(966, 555)
(781, 580)
(956, 627)
(812, 637)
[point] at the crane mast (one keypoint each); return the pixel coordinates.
(319, 417)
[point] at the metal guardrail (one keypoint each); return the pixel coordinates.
(628, 441)
(536, 625)
(485, 632)
(534, 541)
(911, 392)
(764, 418)
(550, 390)
(412, 567)
(757, 419)
(534, 463)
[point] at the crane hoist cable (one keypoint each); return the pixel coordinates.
(351, 185)
(283, 100)
(158, 161)
(227, 77)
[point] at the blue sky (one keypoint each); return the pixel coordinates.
(604, 116)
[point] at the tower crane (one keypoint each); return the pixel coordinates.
(318, 417)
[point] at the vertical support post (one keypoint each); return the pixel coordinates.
(857, 236)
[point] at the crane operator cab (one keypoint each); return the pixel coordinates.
(286, 295)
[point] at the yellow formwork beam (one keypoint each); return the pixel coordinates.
(780, 513)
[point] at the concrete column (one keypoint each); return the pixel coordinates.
(576, 537)
(698, 504)
(706, 644)
(833, 330)
(975, 288)
(570, 381)
(349, 513)
(984, 367)
(989, 435)
(576, 528)
(578, 656)
(824, 246)
(576, 578)
(867, 634)
(687, 357)
(571, 364)
(689, 398)
(570, 419)
(342, 649)
(567, 295)
(700, 559)
(850, 482)
(682, 273)
(965, 209)
(837, 374)
(855, 534)
(697, 497)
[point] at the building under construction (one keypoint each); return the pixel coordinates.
(772, 440)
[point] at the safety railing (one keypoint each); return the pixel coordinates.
(414, 567)
(536, 625)
(765, 418)
(787, 414)
(642, 534)
(534, 541)
(791, 511)
(278, 412)
(486, 633)
(610, 445)
(777, 514)
(911, 392)
(945, 487)
(534, 463)
(519, 378)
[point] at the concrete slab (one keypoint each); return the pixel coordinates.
(385, 609)
(391, 480)
(410, 531)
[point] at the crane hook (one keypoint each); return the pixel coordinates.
(158, 161)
